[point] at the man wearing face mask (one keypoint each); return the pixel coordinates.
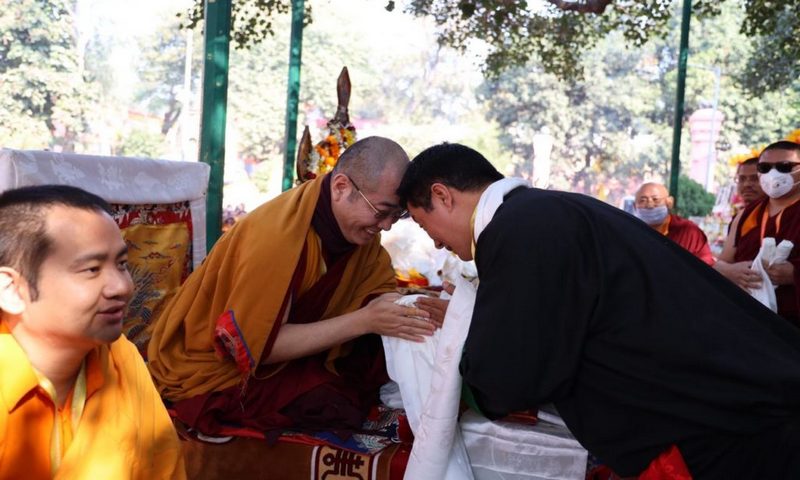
(653, 203)
(778, 216)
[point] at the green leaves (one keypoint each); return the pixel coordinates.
(252, 20)
(693, 200)
(43, 94)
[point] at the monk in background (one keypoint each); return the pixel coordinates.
(749, 190)
(280, 325)
(76, 400)
(653, 205)
(777, 215)
(747, 185)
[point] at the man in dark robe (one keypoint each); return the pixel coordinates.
(776, 215)
(653, 205)
(655, 361)
(272, 331)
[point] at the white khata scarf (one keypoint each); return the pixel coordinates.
(427, 373)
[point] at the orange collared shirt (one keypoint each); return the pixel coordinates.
(82, 439)
(34, 442)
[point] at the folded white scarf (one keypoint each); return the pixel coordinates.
(428, 376)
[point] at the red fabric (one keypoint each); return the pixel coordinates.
(689, 236)
(228, 342)
(667, 466)
(155, 214)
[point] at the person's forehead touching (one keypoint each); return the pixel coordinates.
(386, 192)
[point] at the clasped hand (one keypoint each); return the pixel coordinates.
(387, 318)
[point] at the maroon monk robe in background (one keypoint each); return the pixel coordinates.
(689, 236)
(303, 395)
(748, 243)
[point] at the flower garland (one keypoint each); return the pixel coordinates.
(410, 278)
(735, 160)
(325, 154)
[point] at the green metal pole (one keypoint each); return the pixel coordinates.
(215, 97)
(683, 58)
(293, 93)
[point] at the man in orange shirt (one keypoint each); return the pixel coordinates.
(76, 400)
(653, 204)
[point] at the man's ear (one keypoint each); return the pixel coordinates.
(340, 186)
(12, 299)
(442, 194)
(670, 202)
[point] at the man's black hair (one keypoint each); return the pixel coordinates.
(783, 145)
(24, 243)
(749, 161)
(451, 164)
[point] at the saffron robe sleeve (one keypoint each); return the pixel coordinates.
(246, 277)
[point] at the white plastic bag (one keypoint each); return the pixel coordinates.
(769, 254)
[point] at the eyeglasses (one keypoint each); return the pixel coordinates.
(395, 215)
(783, 167)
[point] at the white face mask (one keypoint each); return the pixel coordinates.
(776, 184)
(652, 216)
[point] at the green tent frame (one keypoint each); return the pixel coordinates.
(215, 98)
(215, 103)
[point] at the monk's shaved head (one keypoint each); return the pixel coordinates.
(371, 160)
(652, 188)
(653, 194)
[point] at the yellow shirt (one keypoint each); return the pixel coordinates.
(113, 424)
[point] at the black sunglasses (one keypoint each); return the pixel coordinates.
(783, 167)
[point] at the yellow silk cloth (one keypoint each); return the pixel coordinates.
(156, 259)
(249, 272)
(123, 431)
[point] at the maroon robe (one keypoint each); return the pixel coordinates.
(689, 236)
(304, 394)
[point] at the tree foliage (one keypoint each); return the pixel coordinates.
(775, 26)
(252, 21)
(161, 71)
(613, 128)
(43, 94)
(693, 200)
(559, 33)
(401, 95)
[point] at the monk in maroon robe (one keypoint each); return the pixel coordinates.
(778, 216)
(653, 204)
(277, 327)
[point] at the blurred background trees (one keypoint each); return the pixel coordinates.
(114, 77)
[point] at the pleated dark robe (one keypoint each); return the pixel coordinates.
(638, 343)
